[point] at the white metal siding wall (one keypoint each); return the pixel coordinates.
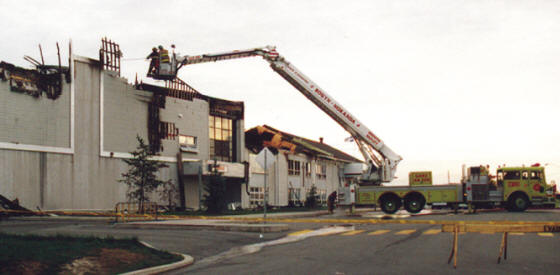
(35, 121)
(279, 182)
(82, 180)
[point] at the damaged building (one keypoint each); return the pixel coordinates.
(65, 130)
(299, 164)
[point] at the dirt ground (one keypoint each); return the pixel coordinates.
(107, 261)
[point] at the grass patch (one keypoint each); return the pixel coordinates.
(50, 254)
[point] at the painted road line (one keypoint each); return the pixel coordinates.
(545, 234)
(516, 233)
(351, 233)
(297, 233)
(406, 232)
(327, 233)
(432, 232)
(378, 232)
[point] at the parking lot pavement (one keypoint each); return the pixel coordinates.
(205, 243)
(199, 243)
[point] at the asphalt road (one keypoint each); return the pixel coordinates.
(400, 249)
(362, 249)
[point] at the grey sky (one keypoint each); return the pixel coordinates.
(441, 82)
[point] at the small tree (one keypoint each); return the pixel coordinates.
(169, 193)
(215, 197)
(141, 176)
(311, 200)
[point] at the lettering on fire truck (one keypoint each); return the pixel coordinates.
(373, 138)
(513, 184)
(322, 95)
(345, 114)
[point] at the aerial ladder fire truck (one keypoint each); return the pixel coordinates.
(381, 160)
(364, 185)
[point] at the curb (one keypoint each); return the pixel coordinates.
(223, 227)
(187, 260)
(279, 215)
(61, 218)
(433, 213)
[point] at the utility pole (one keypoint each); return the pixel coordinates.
(263, 160)
(265, 189)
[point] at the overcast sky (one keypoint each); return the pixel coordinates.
(441, 82)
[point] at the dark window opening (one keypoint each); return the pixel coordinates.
(221, 138)
(168, 130)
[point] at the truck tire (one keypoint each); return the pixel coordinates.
(517, 203)
(414, 204)
(390, 204)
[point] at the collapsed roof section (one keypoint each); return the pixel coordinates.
(179, 89)
(265, 136)
(219, 107)
(43, 79)
(110, 60)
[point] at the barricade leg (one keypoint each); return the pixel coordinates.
(503, 247)
(453, 254)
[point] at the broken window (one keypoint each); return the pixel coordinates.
(188, 143)
(168, 130)
(221, 138)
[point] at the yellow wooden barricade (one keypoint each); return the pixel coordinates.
(494, 228)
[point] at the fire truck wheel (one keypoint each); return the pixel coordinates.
(414, 204)
(390, 204)
(518, 203)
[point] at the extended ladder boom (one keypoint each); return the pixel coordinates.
(382, 161)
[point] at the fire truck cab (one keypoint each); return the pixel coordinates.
(515, 188)
(524, 186)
